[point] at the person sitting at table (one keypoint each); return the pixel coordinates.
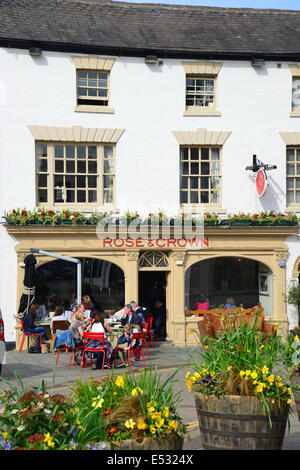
(130, 317)
(77, 327)
(74, 302)
(138, 310)
(201, 304)
(58, 316)
(30, 327)
(99, 325)
(230, 303)
(125, 339)
(87, 303)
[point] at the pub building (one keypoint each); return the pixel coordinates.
(116, 108)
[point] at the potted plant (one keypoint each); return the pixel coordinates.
(286, 219)
(130, 412)
(241, 388)
(211, 219)
(239, 219)
(77, 219)
(65, 217)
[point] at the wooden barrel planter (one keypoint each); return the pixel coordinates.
(239, 423)
(296, 381)
(148, 443)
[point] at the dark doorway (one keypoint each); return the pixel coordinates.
(152, 288)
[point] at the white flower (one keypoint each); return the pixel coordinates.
(20, 428)
(41, 405)
(2, 411)
(48, 412)
(15, 411)
(47, 395)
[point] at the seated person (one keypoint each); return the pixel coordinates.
(77, 327)
(118, 315)
(138, 310)
(125, 339)
(58, 315)
(99, 325)
(202, 303)
(230, 303)
(130, 317)
(30, 327)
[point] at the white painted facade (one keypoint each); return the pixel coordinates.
(149, 102)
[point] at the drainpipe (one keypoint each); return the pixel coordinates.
(65, 258)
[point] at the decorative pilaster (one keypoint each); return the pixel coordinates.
(131, 273)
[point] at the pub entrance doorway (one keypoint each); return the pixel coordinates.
(152, 289)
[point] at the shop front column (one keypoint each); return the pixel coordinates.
(176, 319)
(131, 276)
(280, 312)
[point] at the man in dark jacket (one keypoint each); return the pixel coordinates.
(30, 327)
(130, 317)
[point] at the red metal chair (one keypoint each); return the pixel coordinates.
(26, 335)
(135, 336)
(67, 348)
(88, 336)
(150, 321)
(145, 327)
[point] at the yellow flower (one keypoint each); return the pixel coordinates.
(130, 424)
(187, 375)
(136, 390)
(5, 434)
(271, 379)
(166, 412)
(242, 373)
(196, 374)
(152, 429)
(229, 367)
(248, 372)
(98, 404)
(254, 375)
(296, 338)
(173, 424)
(265, 370)
(159, 422)
(119, 381)
(206, 347)
(262, 347)
(288, 401)
(156, 415)
(141, 424)
(49, 440)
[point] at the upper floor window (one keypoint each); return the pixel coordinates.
(93, 75)
(296, 94)
(200, 175)
(293, 176)
(75, 174)
(200, 89)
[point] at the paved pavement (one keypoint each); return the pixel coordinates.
(36, 367)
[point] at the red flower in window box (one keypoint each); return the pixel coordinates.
(50, 212)
(75, 214)
(67, 214)
(24, 213)
(256, 215)
(43, 213)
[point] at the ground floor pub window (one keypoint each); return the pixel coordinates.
(245, 281)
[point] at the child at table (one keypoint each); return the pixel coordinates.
(125, 339)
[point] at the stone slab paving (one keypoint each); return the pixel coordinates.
(35, 367)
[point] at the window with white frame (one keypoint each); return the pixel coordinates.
(200, 175)
(200, 91)
(293, 176)
(92, 88)
(75, 174)
(296, 93)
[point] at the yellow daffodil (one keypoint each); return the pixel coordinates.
(229, 368)
(141, 424)
(173, 424)
(262, 347)
(4, 434)
(159, 422)
(242, 373)
(49, 440)
(271, 379)
(254, 375)
(296, 338)
(130, 424)
(119, 381)
(98, 404)
(187, 375)
(265, 370)
(156, 415)
(151, 409)
(152, 429)
(137, 390)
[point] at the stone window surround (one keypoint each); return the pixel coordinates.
(205, 69)
(291, 139)
(99, 64)
(295, 72)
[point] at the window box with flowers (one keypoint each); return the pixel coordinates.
(242, 386)
(211, 219)
(239, 219)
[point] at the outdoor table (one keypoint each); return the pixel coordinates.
(114, 335)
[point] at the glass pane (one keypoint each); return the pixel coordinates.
(194, 182)
(194, 197)
(70, 167)
(92, 83)
(214, 197)
(42, 195)
(42, 164)
(184, 182)
(81, 196)
(184, 153)
(290, 155)
(204, 168)
(194, 154)
(59, 151)
(82, 92)
(58, 181)
(108, 152)
(70, 151)
(108, 197)
(42, 150)
(59, 166)
(107, 181)
(70, 181)
(290, 183)
(290, 169)
(81, 167)
(183, 197)
(92, 75)
(195, 168)
(80, 181)
(297, 197)
(43, 181)
(204, 154)
(92, 92)
(81, 74)
(290, 197)
(297, 182)
(70, 195)
(92, 167)
(108, 166)
(298, 155)
(92, 152)
(215, 168)
(92, 196)
(204, 182)
(102, 93)
(298, 168)
(92, 181)
(214, 182)
(59, 195)
(81, 151)
(215, 154)
(204, 197)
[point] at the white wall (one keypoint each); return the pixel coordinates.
(149, 102)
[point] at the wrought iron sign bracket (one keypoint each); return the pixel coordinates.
(257, 165)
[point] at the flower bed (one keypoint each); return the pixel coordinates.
(106, 413)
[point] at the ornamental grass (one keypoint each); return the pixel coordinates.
(243, 360)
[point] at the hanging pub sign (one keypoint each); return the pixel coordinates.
(261, 182)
